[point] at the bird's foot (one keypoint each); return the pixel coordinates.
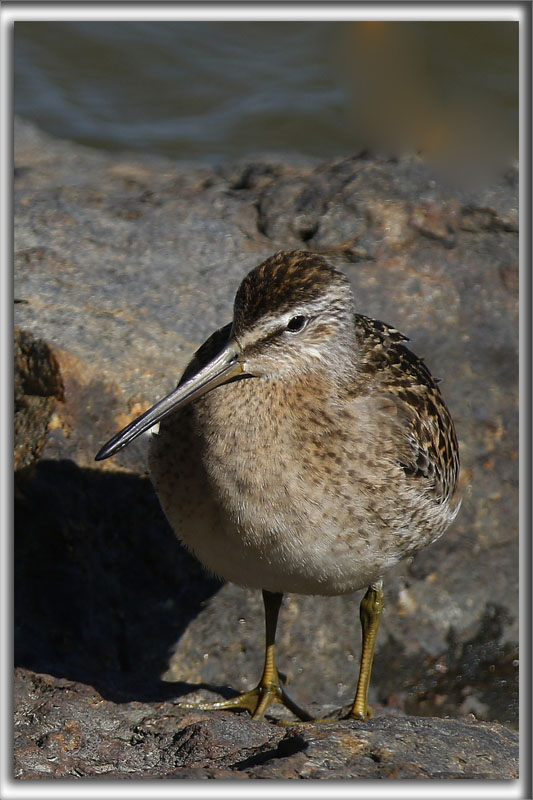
(256, 701)
(342, 713)
(362, 715)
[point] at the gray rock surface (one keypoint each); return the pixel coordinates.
(67, 730)
(123, 265)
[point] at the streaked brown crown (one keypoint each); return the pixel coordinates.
(282, 282)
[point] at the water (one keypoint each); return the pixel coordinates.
(211, 90)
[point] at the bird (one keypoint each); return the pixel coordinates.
(306, 449)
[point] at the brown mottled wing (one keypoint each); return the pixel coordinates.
(430, 449)
(206, 352)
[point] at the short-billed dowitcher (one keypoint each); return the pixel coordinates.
(305, 449)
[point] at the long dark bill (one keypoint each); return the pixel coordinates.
(221, 369)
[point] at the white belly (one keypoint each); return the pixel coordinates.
(254, 543)
(282, 532)
(278, 538)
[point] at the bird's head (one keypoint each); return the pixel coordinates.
(293, 314)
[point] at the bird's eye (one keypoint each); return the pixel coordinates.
(296, 324)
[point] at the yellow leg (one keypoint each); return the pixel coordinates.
(370, 614)
(269, 689)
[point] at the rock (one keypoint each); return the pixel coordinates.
(38, 387)
(123, 265)
(64, 729)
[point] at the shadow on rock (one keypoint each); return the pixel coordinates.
(103, 589)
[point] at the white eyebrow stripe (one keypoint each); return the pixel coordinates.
(271, 324)
(324, 307)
